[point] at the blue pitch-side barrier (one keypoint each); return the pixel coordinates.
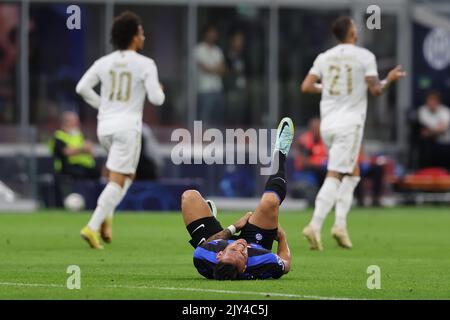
(230, 181)
(142, 195)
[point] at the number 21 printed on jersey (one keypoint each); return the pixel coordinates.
(334, 72)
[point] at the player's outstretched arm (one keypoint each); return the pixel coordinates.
(283, 249)
(227, 233)
(85, 87)
(377, 87)
(310, 84)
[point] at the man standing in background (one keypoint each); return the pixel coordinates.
(236, 80)
(211, 68)
(434, 119)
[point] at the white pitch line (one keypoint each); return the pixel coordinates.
(45, 285)
(271, 294)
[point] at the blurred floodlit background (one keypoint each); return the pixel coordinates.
(268, 48)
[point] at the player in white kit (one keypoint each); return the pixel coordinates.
(126, 78)
(346, 72)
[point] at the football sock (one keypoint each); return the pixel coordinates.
(345, 199)
(106, 203)
(277, 182)
(325, 200)
(126, 186)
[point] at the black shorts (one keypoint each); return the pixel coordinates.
(254, 234)
(200, 230)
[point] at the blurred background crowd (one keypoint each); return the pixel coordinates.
(232, 66)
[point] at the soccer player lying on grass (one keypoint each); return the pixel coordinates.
(221, 255)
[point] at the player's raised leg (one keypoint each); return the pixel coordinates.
(194, 207)
(199, 216)
(266, 213)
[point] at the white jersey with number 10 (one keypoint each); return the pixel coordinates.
(126, 77)
(343, 70)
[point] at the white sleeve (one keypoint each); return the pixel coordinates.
(199, 56)
(370, 66)
(423, 118)
(446, 115)
(316, 68)
(85, 87)
(155, 93)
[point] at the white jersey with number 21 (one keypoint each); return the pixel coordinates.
(343, 70)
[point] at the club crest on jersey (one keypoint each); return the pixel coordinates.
(258, 236)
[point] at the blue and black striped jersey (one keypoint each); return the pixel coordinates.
(261, 263)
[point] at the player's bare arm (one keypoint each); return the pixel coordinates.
(225, 234)
(377, 87)
(283, 249)
(311, 85)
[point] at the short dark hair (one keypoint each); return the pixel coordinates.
(125, 27)
(225, 271)
(209, 27)
(341, 27)
(434, 93)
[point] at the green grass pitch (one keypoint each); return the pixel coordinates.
(150, 258)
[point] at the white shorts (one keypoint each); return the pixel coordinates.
(124, 150)
(343, 148)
